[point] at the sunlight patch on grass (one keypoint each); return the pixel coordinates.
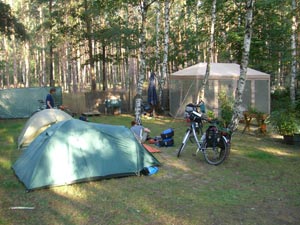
(225, 196)
(180, 166)
(157, 122)
(269, 155)
(10, 139)
(2, 132)
(74, 192)
(261, 155)
(6, 164)
(278, 152)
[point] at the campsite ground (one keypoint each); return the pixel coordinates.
(258, 184)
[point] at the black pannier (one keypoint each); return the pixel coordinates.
(212, 136)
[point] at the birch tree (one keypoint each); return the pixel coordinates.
(144, 5)
(51, 76)
(157, 38)
(209, 53)
(294, 60)
(163, 77)
(237, 111)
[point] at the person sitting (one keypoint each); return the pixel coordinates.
(140, 132)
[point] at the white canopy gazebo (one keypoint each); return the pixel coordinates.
(184, 86)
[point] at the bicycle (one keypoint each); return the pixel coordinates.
(214, 143)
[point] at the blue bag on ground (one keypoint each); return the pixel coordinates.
(167, 133)
(166, 142)
(148, 171)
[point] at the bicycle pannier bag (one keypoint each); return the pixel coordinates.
(195, 116)
(189, 108)
(212, 136)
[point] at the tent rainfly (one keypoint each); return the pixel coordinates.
(75, 151)
(39, 122)
(184, 86)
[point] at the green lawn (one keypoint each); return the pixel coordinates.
(258, 184)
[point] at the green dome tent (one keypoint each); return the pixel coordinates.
(74, 151)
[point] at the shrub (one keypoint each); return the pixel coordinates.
(226, 103)
(284, 121)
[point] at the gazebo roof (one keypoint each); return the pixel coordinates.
(218, 71)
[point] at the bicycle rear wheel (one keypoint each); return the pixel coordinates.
(215, 153)
(186, 137)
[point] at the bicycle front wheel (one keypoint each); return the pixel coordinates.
(185, 139)
(215, 152)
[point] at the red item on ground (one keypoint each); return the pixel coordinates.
(150, 148)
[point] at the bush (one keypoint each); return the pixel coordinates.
(226, 103)
(285, 117)
(284, 121)
(280, 99)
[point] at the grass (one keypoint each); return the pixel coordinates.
(258, 184)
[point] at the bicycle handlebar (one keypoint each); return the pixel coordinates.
(196, 104)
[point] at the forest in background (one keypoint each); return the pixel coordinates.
(95, 44)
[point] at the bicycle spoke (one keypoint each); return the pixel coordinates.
(215, 153)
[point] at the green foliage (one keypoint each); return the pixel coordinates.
(280, 98)
(9, 24)
(115, 25)
(226, 104)
(210, 114)
(285, 117)
(284, 121)
(2, 64)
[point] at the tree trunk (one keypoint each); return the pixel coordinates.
(157, 52)
(209, 53)
(52, 84)
(69, 67)
(157, 37)
(104, 80)
(166, 51)
(6, 63)
(142, 63)
(294, 59)
(43, 58)
(90, 45)
(27, 64)
(237, 111)
(15, 68)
